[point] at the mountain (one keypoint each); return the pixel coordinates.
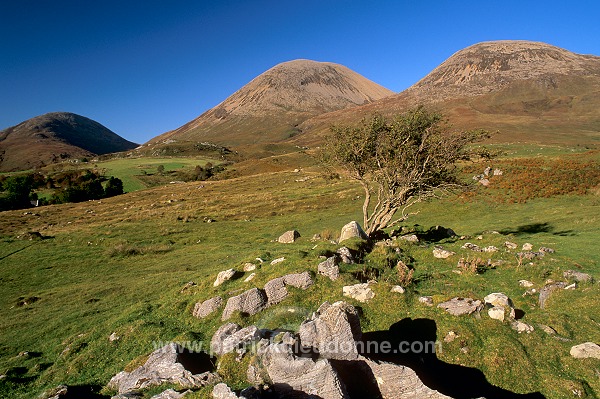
(54, 137)
(271, 106)
(528, 91)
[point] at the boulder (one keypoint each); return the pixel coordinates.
(441, 253)
(345, 255)
(333, 331)
(497, 313)
(164, 366)
(299, 280)
(329, 268)
(498, 299)
(289, 237)
(578, 276)
(586, 350)
(360, 292)
(250, 302)
(461, 306)
(352, 230)
(201, 310)
(223, 276)
(276, 291)
(548, 290)
(230, 337)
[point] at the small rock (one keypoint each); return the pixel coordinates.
(170, 394)
(586, 350)
(498, 299)
(547, 291)
(525, 283)
(329, 268)
(289, 237)
(472, 247)
(278, 260)
(510, 245)
(479, 237)
(521, 327)
(484, 182)
(527, 247)
(187, 286)
(578, 276)
(490, 248)
(461, 306)
(498, 172)
(497, 313)
(248, 267)
(201, 310)
(546, 250)
(114, 337)
(547, 329)
(426, 300)
(352, 230)
(345, 255)
(250, 277)
(223, 276)
(410, 238)
(222, 391)
(360, 292)
(451, 336)
(441, 253)
(398, 289)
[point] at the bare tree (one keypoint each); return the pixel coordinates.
(399, 161)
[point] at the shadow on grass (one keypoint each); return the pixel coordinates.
(453, 380)
(536, 228)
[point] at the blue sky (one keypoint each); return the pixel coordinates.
(142, 68)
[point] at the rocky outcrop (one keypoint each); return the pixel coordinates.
(249, 302)
(164, 366)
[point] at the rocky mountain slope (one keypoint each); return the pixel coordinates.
(54, 137)
(271, 106)
(528, 91)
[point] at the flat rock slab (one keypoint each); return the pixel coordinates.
(461, 306)
(586, 350)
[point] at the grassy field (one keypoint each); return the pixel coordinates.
(119, 265)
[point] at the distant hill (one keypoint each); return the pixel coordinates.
(54, 137)
(528, 91)
(271, 106)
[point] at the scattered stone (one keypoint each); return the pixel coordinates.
(480, 237)
(289, 237)
(410, 238)
(510, 245)
(352, 230)
(527, 247)
(230, 337)
(525, 283)
(472, 247)
(170, 394)
(487, 171)
(441, 253)
(187, 286)
(299, 280)
(498, 172)
(345, 255)
(276, 291)
(278, 260)
(250, 277)
(360, 292)
(201, 310)
(547, 329)
(578, 276)
(333, 331)
(316, 237)
(571, 287)
(490, 248)
(329, 268)
(548, 290)
(484, 182)
(546, 250)
(164, 366)
(426, 300)
(586, 350)
(451, 336)
(461, 306)
(497, 313)
(398, 289)
(498, 299)
(222, 391)
(521, 327)
(250, 302)
(223, 276)
(56, 393)
(248, 267)
(114, 337)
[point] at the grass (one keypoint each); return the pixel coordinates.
(118, 266)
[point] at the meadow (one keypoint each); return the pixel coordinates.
(119, 266)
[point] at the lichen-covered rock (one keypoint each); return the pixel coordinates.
(201, 310)
(352, 230)
(360, 292)
(162, 367)
(223, 276)
(441, 253)
(329, 268)
(276, 291)
(170, 394)
(498, 299)
(299, 280)
(222, 391)
(521, 327)
(289, 237)
(461, 306)
(226, 330)
(333, 331)
(345, 255)
(250, 302)
(586, 350)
